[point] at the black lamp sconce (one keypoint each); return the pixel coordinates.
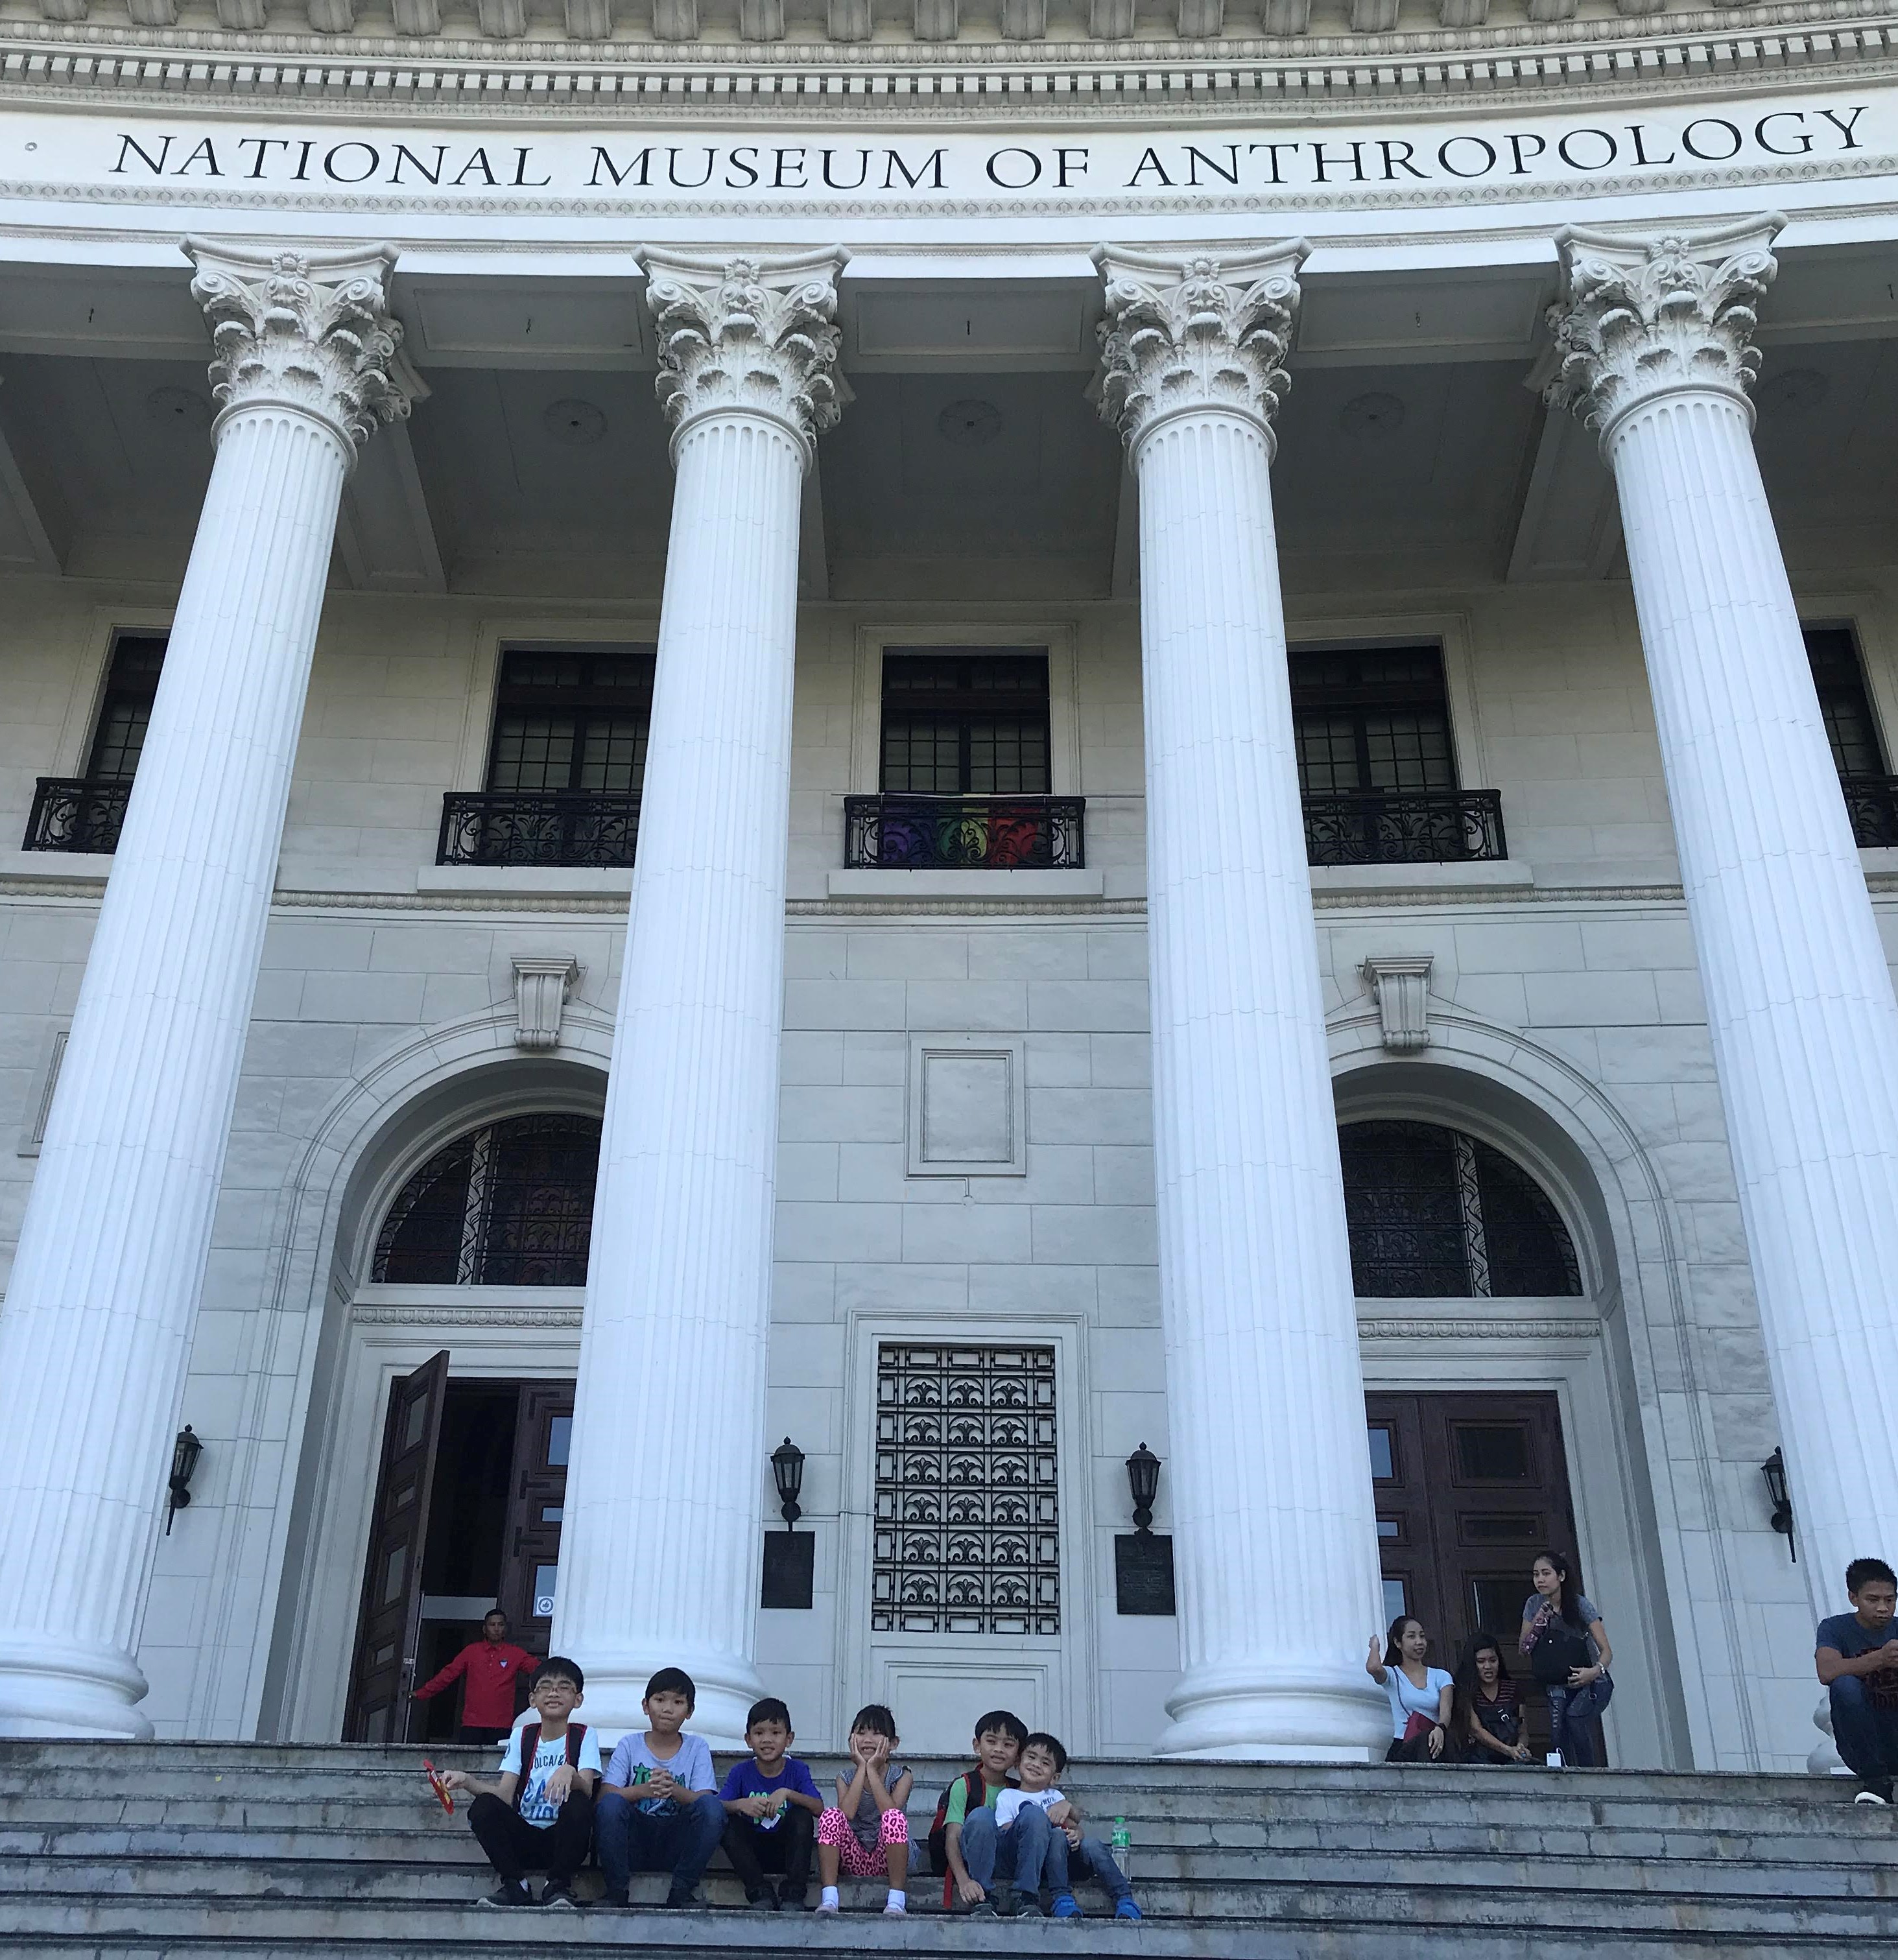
(1142, 1557)
(1774, 1470)
(185, 1453)
(790, 1573)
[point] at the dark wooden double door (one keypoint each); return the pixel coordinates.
(428, 1518)
(1468, 1489)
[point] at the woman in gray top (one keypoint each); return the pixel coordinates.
(1556, 1604)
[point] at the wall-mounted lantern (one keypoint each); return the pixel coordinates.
(787, 1472)
(1143, 1479)
(1774, 1470)
(185, 1453)
(790, 1573)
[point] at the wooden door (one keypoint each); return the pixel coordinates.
(1469, 1488)
(530, 1559)
(389, 1623)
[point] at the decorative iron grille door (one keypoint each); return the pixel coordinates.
(967, 1527)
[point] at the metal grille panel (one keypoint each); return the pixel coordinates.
(967, 1526)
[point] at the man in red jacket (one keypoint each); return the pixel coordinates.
(489, 1667)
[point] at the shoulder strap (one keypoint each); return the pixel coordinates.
(529, 1748)
(576, 1732)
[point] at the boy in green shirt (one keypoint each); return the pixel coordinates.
(962, 1841)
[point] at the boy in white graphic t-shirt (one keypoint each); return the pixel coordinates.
(540, 1820)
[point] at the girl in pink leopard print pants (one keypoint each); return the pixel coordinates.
(866, 1831)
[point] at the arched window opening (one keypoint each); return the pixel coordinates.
(1434, 1213)
(508, 1205)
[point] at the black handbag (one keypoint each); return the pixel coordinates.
(1558, 1650)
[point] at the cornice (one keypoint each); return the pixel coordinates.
(1578, 61)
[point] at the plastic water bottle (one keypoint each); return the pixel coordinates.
(1120, 1844)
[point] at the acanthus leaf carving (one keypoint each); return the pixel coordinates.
(1196, 333)
(747, 334)
(1640, 318)
(306, 330)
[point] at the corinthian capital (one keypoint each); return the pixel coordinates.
(755, 334)
(1642, 317)
(307, 330)
(1196, 333)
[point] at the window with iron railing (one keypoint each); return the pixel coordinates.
(1376, 766)
(965, 768)
(86, 813)
(1870, 790)
(565, 765)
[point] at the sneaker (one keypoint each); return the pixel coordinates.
(761, 1900)
(794, 1898)
(1065, 1907)
(684, 1898)
(616, 1899)
(894, 1911)
(1126, 1909)
(983, 1908)
(516, 1894)
(824, 1905)
(1028, 1906)
(1878, 1792)
(553, 1895)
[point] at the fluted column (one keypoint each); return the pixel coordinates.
(661, 1547)
(98, 1321)
(1653, 349)
(1275, 1537)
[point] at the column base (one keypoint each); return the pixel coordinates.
(83, 1692)
(1259, 1712)
(616, 1679)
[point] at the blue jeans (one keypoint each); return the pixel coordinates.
(1095, 1860)
(1015, 1855)
(1571, 1710)
(631, 1840)
(1866, 1734)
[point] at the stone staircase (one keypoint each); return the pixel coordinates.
(189, 1850)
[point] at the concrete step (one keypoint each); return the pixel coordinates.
(1164, 1879)
(1386, 1910)
(426, 1840)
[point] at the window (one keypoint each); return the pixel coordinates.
(1433, 1213)
(1371, 718)
(1840, 680)
(508, 1205)
(132, 685)
(962, 721)
(967, 1530)
(572, 719)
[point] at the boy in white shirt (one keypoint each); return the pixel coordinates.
(1046, 1829)
(542, 1821)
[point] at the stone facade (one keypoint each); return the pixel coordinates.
(1553, 1003)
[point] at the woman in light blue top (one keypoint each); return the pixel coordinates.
(1415, 1689)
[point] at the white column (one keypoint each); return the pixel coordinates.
(1275, 1537)
(97, 1321)
(661, 1548)
(1653, 350)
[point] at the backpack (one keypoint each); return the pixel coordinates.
(939, 1830)
(531, 1748)
(1560, 1648)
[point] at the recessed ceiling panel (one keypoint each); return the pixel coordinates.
(542, 324)
(964, 325)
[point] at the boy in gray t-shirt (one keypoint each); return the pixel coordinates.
(659, 1808)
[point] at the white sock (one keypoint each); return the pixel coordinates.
(897, 1902)
(830, 1895)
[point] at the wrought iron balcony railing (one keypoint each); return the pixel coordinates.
(71, 814)
(897, 831)
(595, 828)
(1403, 827)
(1872, 804)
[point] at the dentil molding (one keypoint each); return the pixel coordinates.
(311, 331)
(1479, 1330)
(1642, 318)
(756, 335)
(363, 1315)
(1200, 333)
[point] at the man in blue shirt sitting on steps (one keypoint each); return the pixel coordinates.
(1857, 1660)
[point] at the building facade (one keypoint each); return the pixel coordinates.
(996, 742)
